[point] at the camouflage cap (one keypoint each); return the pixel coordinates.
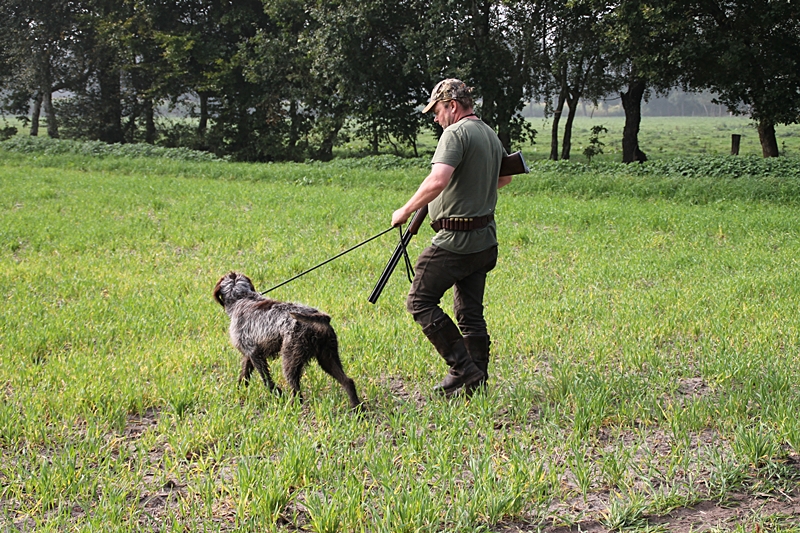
(449, 89)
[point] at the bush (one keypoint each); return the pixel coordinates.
(47, 146)
(7, 132)
(376, 162)
(699, 180)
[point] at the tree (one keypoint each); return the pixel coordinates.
(95, 108)
(145, 70)
(275, 60)
(756, 67)
(366, 62)
(197, 50)
(493, 45)
(575, 62)
(247, 121)
(644, 44)
(38, 39)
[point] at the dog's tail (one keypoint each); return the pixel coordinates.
(311, 317)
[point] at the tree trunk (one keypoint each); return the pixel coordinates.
(766, 134)
(201, 127)
(502, 125)
(374, 142)
(294, 129)
(110, 112)
(736, 141)
(567, 145)
(491, 116)
(129, 128)
(325, 150)
(149, 123)
(35, 113)
(573, 97)
(632, 103)
(562, 96)
(50, 113)
(505, 138)
(489, 112)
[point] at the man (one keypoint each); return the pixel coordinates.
(461, 194)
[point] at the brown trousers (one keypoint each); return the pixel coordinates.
(436, 271)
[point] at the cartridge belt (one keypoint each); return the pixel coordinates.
(462, 223)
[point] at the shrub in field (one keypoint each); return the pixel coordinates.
(723, 167)
(696, 180)
(44, 145)
(377, 162)
(595, 144)
(692, 166)
(7, 132)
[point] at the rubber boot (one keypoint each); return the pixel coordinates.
(478, 350)
(463, 374)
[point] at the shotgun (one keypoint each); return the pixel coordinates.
(411, 230)
(511, 165)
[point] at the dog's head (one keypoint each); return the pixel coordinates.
(232, 287)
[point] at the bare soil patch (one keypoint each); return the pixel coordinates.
(739, 509)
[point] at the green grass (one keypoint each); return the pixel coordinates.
(645, 352)
(659, 137)
(665, 137)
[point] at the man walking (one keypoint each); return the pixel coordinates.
(461, 194)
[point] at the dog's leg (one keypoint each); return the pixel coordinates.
(247, 370)
(328, 358)
(293, 360)
(259, 361)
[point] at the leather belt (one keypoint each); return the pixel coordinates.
(462, 223)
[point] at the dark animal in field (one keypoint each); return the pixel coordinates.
(262, 328)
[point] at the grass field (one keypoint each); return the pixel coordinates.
(645, 371)
(659, 137)
(662, 137)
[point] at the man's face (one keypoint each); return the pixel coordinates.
(444, 112)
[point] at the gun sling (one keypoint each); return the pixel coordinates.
(462, 224)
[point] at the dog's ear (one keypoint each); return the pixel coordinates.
(218, 292)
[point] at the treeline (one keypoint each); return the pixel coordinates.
(291, 79)
(676, 103)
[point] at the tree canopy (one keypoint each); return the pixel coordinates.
(290, 79)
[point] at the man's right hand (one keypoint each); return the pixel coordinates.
(430, 188)
(399, 217)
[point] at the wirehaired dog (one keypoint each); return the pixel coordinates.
(262, 328)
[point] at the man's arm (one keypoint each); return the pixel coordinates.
(502, 181)
(430, 188)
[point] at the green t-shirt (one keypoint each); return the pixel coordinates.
(476, 152)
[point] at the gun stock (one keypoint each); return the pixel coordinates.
(514, 164)
(411, 230)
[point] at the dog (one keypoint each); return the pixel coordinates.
(262, 328)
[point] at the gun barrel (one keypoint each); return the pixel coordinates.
(387, 273)
(411, 230)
